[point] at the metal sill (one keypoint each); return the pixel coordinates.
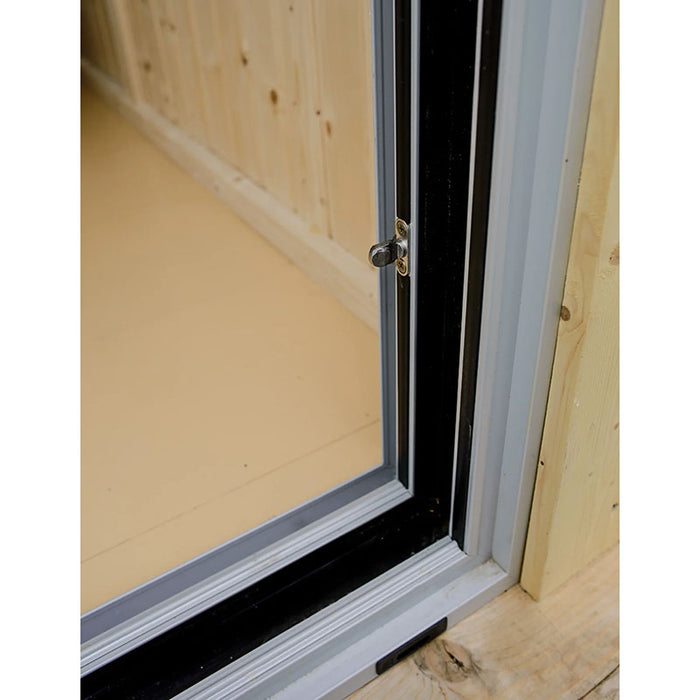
(334, 652)
(159, 605)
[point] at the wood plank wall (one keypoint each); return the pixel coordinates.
(575, 511)
(99, 39)
(280, 90)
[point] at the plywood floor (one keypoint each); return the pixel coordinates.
(220, 386)
(564, 647)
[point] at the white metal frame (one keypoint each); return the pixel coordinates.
(548, 52)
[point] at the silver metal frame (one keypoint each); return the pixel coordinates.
(382, 22)
(349, 629)
(154, 608)
(548, 52)
(148, 610)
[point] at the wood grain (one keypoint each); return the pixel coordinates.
(279, 89)
(149, 68)
(607, 689)
(352, 282)
(347, 126)
(120, 21)
(575, 512)
(100, 42)
(562, 647)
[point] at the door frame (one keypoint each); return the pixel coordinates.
(140, 614)
(547, 62)
(544, 83)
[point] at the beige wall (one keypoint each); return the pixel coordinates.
(575, 512)
(280, 90)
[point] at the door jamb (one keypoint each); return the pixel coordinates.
(545, 82)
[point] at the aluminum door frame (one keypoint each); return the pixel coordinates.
(548, 53)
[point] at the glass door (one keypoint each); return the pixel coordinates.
(232, 326)
(262, 343)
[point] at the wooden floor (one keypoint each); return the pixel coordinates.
(220, 386)
(564, 647)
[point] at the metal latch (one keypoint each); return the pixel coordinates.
(393, 251)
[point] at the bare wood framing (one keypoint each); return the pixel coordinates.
(575, 514)
(516, 648)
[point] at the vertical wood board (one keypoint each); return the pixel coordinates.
(99, 40)
(575, 511)
(347, 120)
(280, 89)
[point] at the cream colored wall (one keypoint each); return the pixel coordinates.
(279, 90)
(575, 511)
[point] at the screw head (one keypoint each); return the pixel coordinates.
(401, 227)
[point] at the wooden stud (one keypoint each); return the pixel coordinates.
(575, 510)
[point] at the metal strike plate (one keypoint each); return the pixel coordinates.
(394, 250)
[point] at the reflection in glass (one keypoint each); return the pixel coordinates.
(230, 356)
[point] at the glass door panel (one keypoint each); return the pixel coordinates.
(230, 319)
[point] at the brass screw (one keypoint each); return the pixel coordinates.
(401, 266)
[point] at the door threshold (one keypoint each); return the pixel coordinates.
(335, 651)
(169, 600)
